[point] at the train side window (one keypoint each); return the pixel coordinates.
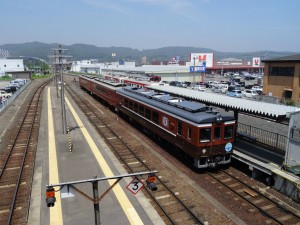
(205, 135)
(135, 107)
(228, 132)
(126, 102)
(148, 114)
(189, 133)
(217, 133)
(130, 104)
(141, 110)
(155, 117)
(179, 127)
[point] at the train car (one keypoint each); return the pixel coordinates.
(85, 82)
(203, 134)
(101, 88)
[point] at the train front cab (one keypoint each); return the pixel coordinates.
(215, 144)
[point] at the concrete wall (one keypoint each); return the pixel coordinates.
(277, 84)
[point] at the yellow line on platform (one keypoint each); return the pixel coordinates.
(56, 211)
(129, 210)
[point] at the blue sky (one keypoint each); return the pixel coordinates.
(222, 25)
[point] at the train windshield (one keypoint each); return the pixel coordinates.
(205, 135)
(217, 133)
(228, 132)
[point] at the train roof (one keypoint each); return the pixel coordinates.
(192, 111)
(107, 83)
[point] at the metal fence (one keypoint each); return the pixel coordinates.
(275, 140)
(8, 101)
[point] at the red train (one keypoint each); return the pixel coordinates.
(203, 134)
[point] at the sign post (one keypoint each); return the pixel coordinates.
(134, 186)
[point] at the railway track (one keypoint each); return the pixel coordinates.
(276, 212)
(17, 164)
(171, 208)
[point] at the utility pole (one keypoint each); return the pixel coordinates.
(194, 69)
(59, 62)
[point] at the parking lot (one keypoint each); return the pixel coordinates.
(3, 84)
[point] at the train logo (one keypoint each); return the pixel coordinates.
(228, 147)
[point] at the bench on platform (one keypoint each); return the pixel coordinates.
(246, 136)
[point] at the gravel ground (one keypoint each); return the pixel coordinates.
(10, 117)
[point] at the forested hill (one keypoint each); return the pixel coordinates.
(104, 54)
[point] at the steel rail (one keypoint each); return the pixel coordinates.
(247, 200)
(265, 196)
(25, 151)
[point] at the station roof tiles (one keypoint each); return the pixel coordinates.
(249, 106)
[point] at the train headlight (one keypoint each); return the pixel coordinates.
(204, 151)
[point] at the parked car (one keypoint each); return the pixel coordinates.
(14, 85)
(210, 84)
(257, 88)
(235, 93)
(187, 83)
(19, 82)
(175, 83)
(224, 88)
(10, 89)
(5, 94)
(249, 93)
(216, 89)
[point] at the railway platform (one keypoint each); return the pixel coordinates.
(87, 157)
(266, 166)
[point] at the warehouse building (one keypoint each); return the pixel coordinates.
(11, 65)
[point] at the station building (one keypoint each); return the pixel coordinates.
(282, 78)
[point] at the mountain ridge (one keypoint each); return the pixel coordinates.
(80, 51)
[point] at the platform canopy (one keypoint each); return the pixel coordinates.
(270, 110)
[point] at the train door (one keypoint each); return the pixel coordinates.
(217, 134)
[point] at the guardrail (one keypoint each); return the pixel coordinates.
(8, 101)
(272, 139)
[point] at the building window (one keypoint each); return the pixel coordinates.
(4, 65)
(282, 71)
(18, 65)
